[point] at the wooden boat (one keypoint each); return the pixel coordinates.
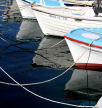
(26, 10)
(86, 47)
(58, 21)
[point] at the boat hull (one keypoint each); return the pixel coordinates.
(85, 57)
(25, 9)
(58, 25)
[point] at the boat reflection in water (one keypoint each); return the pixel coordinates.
(12, 13)
(84, 84)
(29, 29)
(51, 55)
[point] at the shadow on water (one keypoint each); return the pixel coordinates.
(58, 57)
(28, 58)
(84, 84)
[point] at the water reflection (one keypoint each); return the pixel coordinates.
(12, 13)
(17, 62)
(29, 29)
(84, 84)
(58, 57)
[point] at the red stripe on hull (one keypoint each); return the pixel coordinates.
(91, 66)
(82, 42)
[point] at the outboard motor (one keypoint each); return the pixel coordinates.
(97, 7)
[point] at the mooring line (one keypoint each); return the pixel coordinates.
(4, 40)
(42, 82)
(18, 84)
(47, 99)
(52, 45)
(41, 97)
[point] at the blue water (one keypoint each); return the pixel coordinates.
(18, 43)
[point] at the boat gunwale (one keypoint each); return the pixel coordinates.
(85, 43)
(35, 7)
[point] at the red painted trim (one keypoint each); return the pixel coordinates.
(91, 66)
(82, 42)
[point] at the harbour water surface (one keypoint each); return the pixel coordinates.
(26, 55)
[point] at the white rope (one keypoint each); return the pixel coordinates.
(47, 99)
(27, 84)
(46, 81)
(4, 40)
(52, 45)
(43, 82)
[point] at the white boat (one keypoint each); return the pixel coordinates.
(86, 47)
(26, 10)
(60, 20)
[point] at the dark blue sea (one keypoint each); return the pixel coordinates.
(26, 55)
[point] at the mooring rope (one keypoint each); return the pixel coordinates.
(37, 83)
(48, 59)
(18, 84)
(19, 42)
(22, 85)
(52, 45)
(47, 99)
(4, 40)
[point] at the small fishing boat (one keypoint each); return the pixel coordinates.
(26, 10)
(86, 47)
(58, 21)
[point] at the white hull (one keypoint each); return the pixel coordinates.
(83, 57)
(54, 21)
(25, 9)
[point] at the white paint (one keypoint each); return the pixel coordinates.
(99, 103)
(60, 26)
(25, 9)
(90, 35)
(80, 53)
